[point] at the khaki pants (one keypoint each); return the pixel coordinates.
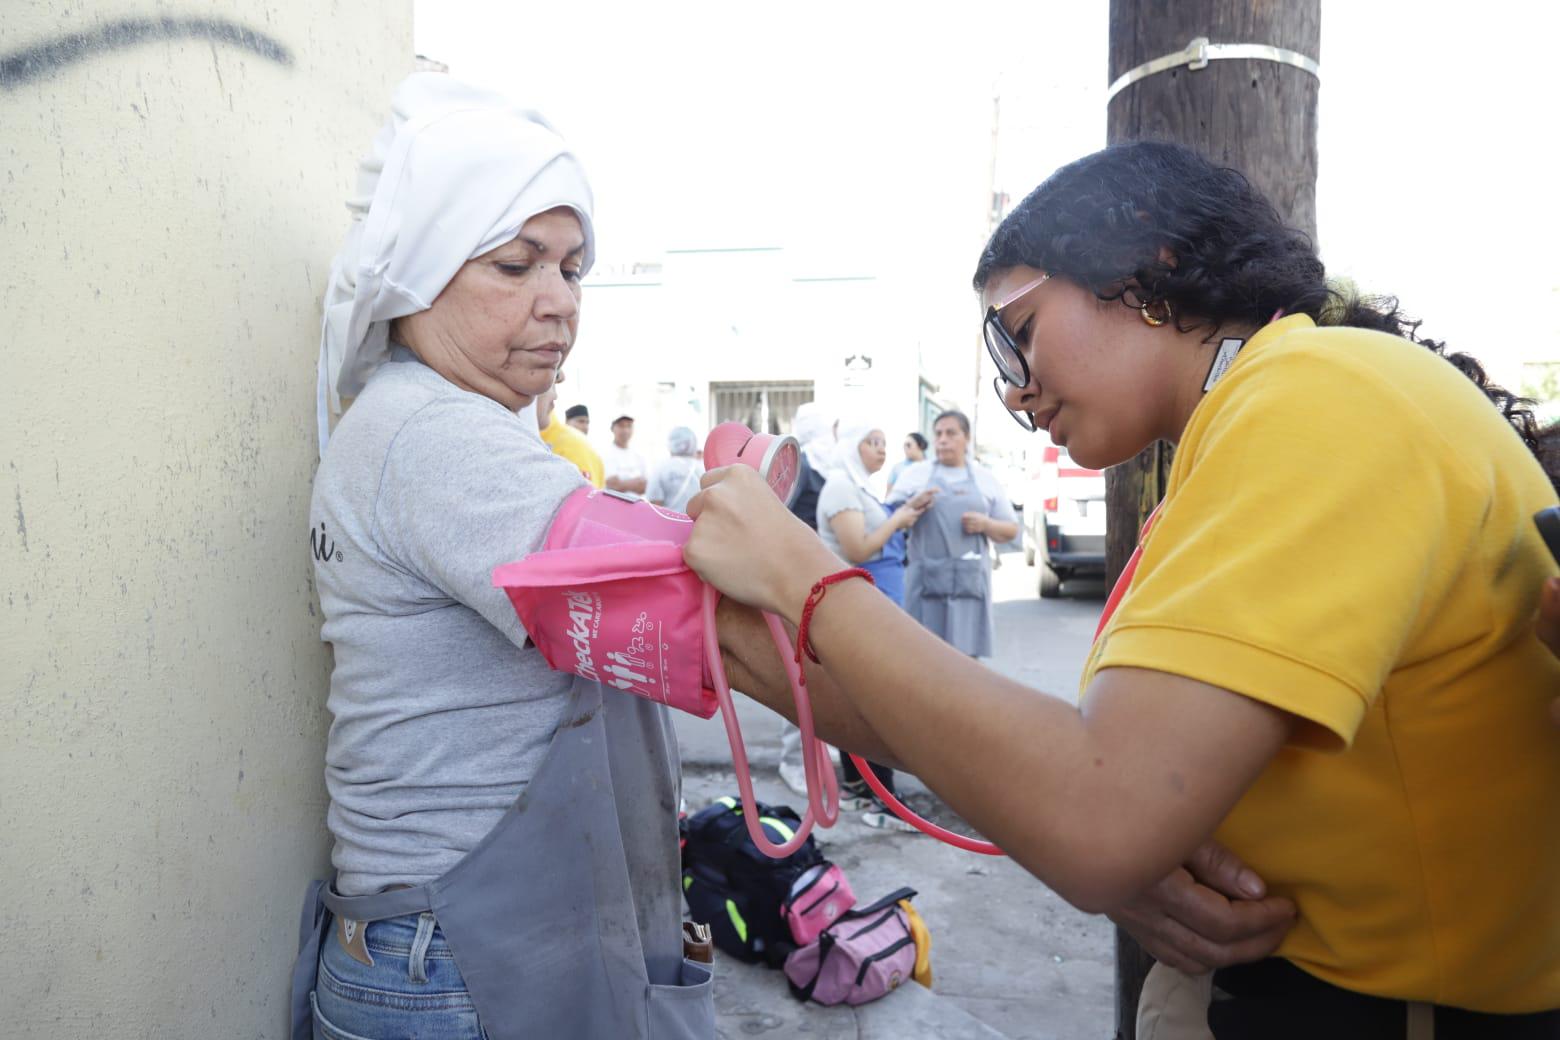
(1174, 1006)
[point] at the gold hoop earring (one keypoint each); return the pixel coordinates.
(1155, 320)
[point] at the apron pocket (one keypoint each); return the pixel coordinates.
(937, 578)
(954, 579)
(969, 578)
(686, 1011)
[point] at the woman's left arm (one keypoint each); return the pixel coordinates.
(1002, 525)
(1099, 804)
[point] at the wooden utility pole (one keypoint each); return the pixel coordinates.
(1253, 114)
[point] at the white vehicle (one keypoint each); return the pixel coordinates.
(1064, 521)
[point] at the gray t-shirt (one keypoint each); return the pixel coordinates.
(839, 495)
(441, 715)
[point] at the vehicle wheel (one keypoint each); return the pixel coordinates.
(1029, 556)
(1050, 582)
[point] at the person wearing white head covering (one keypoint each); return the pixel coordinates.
(454, 173)
(859, 529)
(854, 523)
(450, 308)
(813, 429)
(676, 480)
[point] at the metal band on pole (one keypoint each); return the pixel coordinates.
(1200, 52)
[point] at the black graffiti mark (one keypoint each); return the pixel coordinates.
(49, 58)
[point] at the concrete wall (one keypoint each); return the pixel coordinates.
(171, 189)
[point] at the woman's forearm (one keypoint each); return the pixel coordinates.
(1001, 531)
(1098, 805)
(879, 537)
(858, 545)
(753, 667)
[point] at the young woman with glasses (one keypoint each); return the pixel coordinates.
(1324, 655)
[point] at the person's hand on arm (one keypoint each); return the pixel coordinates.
(1212, 912)
(1100, 804)
(859, 544)
(998, 531)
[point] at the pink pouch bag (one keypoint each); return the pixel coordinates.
(863, 956)
(817, 899)
(610, 599)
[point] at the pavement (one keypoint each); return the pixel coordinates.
(1009, 957)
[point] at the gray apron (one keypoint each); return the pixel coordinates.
(566, 919)
(945, 592)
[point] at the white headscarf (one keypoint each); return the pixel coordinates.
(814, 430)
(849, 453)
(682, 442)
(454, 172)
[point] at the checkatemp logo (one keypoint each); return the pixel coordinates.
(324, 550)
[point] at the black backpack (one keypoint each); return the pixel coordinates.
(736, 889)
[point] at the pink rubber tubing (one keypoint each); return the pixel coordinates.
(904, 812)
(823, 798)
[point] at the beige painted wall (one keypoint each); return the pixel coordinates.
(168, 210)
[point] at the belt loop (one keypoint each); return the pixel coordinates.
(1421, 1021)
(417, 964)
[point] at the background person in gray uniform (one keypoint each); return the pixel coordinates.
(948, 580)
(480, 891)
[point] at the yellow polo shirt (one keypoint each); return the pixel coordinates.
(1348, 535)
(568, 443)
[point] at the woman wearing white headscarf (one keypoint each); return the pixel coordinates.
(813, 429)
(479, 889)
(853, 523)
(677, 479)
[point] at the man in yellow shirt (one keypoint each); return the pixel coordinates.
(567, 442)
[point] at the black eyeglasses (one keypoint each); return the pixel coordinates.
(1009, 359)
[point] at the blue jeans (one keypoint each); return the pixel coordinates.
(413, 987)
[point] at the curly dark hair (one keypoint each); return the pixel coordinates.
(1107, 221)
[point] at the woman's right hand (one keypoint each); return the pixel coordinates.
(747, 544)
(1211, 913)
(906, 516)
(911, 511)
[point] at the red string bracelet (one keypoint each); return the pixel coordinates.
(813, 599)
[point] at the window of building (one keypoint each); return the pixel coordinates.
(764, 407)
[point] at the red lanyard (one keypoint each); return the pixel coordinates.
(1125, 581)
